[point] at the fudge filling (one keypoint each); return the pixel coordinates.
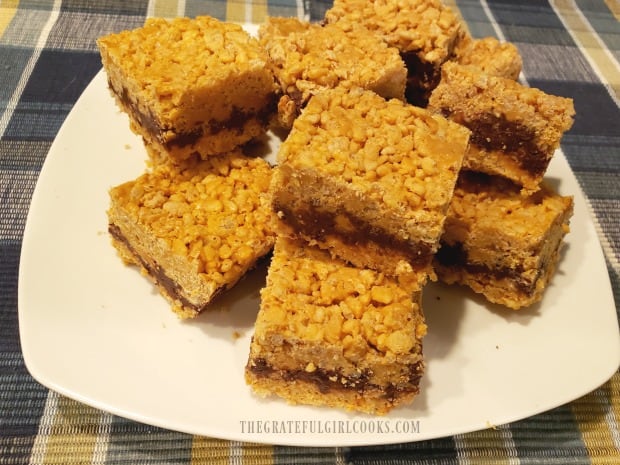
(332, 380)
(236, 121)
(491, 132)
(320, 224)
(456, 256)
(422, 78)
(159, 275)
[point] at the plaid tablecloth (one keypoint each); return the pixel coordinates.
(48, 56)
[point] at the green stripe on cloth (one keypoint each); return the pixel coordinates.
(305, 455)
(69, 422)
(7, 12)
(604, 21)
(599, 422)
(131, 442)
(441, 451)
(492, 446)
(553, 435)
(591, 45)
(475, 16)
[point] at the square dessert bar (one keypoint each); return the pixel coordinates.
(369, 180)
(490, 56)
(424, 31)
(500, 243)
(330, 334)
(308, 58)
(194, 228)
(515, 129)
(190, 85)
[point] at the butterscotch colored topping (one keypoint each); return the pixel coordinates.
(515, 129)
(392, 152)
(331, 334)
(368, 179)
(203, 222)
(501, 243)
(425, 27)
(187, 82)
(490, 56)
(314, 298)
(308, 58)
(492, 203)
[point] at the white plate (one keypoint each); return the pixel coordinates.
(96, 331)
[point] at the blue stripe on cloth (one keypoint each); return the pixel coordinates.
(22, 156)
(79, 32)
(132, 442)
(282, 8)
(604, 22)
(195, 8)
(476, 18)
(531, 21)
(14, 61)
(316, 9)
(554, 434)
(21, 399)
(56, 82)
(117, 7)
(440, 451)
(283, 455)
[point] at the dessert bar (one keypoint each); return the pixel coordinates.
(500, 243)
(424, 31)
(190, 85)
(308, 58)
(515, 129)
(194, 228)
(330, 334)
(368, 179)
(490, 56)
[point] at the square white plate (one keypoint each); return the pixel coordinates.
(96, 331)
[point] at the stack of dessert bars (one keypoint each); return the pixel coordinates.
(410, 153)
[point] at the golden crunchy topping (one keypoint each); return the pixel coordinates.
(399, 154)
(212, 213)
(468, 93)
(185, 52)
(309, 57)
(488, 203)
(190, 79)
(426, 27)
(490, 56)
(311, 297)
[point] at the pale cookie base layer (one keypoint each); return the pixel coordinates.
(301, 392)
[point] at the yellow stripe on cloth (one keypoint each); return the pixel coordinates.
(614, 7)
(597, 419)
(165, 9)
(70, 432)
(259, 11)
(492, 446)
(248, 11)
(7, 12)
(220, 452)
(590, 44)
(235, 11)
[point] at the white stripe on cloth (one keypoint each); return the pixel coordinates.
(499, 33)
(100, 452)
(45, 429)
(5, 117)
(605, 64)
(236, 453)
